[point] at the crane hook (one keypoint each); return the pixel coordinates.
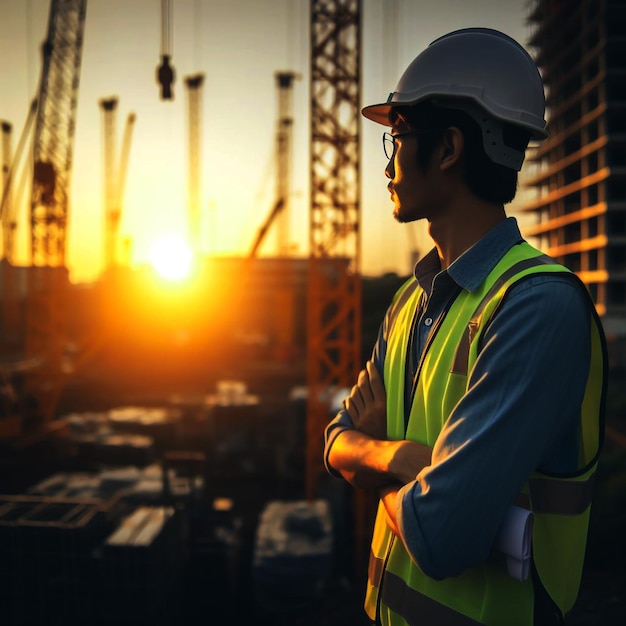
(165, 77)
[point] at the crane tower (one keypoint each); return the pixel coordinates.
(8, 220)
(279, 214)
(194, 91)
(284, 82)
(111, 218)
(122, 173)
(53, 146)
(54, 131)
(114, 176)
(11, 163)
(334, 292)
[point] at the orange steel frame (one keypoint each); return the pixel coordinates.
(334, 291)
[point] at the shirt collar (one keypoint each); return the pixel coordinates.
(426, 269)
(474, 265)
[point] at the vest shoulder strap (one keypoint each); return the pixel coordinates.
(405, 293)
(461, 357)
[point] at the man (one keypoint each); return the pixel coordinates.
(486, 386)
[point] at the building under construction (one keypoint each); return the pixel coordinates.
(580, 172)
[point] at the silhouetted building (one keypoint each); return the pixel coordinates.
(579, 173)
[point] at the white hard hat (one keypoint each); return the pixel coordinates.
(483, 72)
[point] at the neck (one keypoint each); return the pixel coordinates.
(455, 234)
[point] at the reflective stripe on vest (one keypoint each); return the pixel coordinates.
(554, 496)
(417, 608)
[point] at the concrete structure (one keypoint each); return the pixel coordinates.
(579, 173)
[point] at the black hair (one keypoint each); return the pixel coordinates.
(486, 179)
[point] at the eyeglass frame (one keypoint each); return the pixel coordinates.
(391, 138)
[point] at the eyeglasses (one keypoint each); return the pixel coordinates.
(389, 140)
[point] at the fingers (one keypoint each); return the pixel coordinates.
(354, 403)
(364, 386)
(376, 383)
(368, 392)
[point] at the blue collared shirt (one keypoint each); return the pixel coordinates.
(520, 414)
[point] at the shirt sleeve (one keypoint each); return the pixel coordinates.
(336, 426)
(521, 413)
(342, 420)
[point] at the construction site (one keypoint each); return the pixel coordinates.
(161, 442)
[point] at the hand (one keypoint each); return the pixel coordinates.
(367, 403)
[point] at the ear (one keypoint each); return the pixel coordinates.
(452, 147)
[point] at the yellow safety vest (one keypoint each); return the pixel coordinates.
(398, 592)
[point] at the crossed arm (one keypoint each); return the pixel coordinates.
(521, 413)
(364, 456)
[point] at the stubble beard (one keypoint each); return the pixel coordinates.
(403, 218)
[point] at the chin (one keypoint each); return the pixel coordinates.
(403, 218)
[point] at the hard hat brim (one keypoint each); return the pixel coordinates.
(378, 113)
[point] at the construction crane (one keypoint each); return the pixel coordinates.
(194, 91)
(8, 221)
(10, 321)
(52, 166)
(334, 290)
(279, 212)
(284, 83)
(114, 176)
(122, 174)
(12, 311)
(12, 163)
(109, 109)
(54, 131)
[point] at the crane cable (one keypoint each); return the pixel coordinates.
(391, 40)
(197, 33)
(166, 28)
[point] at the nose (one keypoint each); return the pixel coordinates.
(389, 171)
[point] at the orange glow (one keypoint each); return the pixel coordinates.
(171, 257)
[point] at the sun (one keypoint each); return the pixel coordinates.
(171, 257)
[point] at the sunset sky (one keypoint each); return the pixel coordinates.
(238, 45)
